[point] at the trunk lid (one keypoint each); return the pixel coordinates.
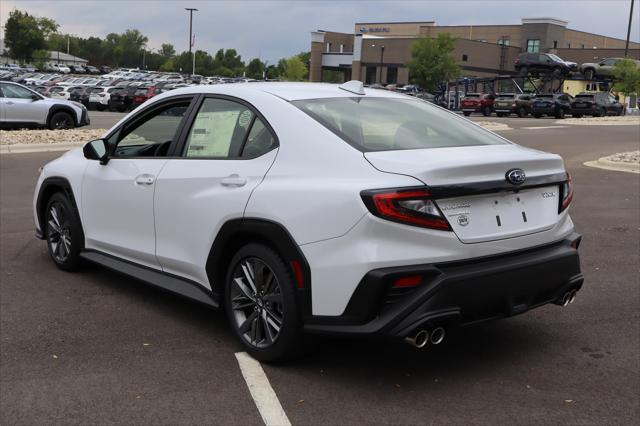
(484, 217)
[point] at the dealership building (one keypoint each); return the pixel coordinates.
(378, 52)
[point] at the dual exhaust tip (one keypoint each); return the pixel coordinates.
(568, 298)
(422, 337)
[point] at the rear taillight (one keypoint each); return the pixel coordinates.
(566, 194)
(409, 206)
(407, 282)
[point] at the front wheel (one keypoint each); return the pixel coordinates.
(63, 232)
(522, 112)
(61, 120)
(261, 304)
(560, 113)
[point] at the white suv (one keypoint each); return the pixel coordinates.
(317, 208)
(22, 107)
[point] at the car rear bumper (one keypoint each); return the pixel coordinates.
(457, 293)
(544, 110)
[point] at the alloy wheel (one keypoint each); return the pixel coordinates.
(256, 302)
(63, 122)
(58, 232)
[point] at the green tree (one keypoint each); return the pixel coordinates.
(432, 62)
(627, 75)
(295, 69)
(167, 50)
(305, 57)
(255, 69)
(168, 66)
(24, 34)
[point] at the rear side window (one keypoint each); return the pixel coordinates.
(385, 124)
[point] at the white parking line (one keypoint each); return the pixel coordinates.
(543, 127)
(261, 391)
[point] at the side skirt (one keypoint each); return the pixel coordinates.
(171, 283)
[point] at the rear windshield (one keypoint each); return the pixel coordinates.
(545, 96)
(386, 124)
(585, 96)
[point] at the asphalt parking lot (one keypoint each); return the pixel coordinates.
(97, 348)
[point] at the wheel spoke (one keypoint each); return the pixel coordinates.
(54, 216)
(268, 282)
(245, 290)
(244, 327)
(247, 269)
(273, 298)
(241, 302)
(274, 319)
(54, 227)
(269, 336)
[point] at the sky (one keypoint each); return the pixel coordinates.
(274, 29)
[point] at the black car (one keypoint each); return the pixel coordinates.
(105, 69)
(510, 103)
(551, 104)
(596, 104)
(537, 63)
(81, 94)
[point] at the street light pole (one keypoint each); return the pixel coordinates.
(626, 47)
(191, 10)
(381, 61)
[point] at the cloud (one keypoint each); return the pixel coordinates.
(274, 29)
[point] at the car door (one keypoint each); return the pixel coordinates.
(21, 106)
(117, 197)
(225, 154)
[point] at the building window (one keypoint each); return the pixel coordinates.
(533, 45)
(464, 58)
(392, 75)
(555, 44)
(328, 47)
(371, 75)
(504, 42)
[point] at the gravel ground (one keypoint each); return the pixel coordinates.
(625, 157)
(48, 136)
(603, 121)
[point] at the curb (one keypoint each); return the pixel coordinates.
(603, 163)
(23, 148)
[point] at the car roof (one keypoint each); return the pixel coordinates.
(288, 91)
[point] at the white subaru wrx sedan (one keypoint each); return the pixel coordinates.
(317, 208)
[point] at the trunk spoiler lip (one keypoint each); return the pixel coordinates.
(485, 187)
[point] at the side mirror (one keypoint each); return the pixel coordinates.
(97, 150)
(35, 97)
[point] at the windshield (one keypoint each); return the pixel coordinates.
(584, 96)
(385, 124)
(554, 57)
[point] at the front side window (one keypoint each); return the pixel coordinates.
(153, 136)
(15, 92)
(386, 124)
(533, 45)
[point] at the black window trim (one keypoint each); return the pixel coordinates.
(180, 148)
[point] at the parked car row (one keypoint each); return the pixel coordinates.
(596, 104)
(537, 63)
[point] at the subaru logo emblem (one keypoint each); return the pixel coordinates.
(516, 176)
(463, 220)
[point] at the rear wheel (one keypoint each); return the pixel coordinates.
(63, 232)
(467, 113)
(560, 113)
(522, 112)
(261, 304)
(486, 111)
(61, 120)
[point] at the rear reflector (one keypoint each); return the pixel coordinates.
(297, 270)
(411, 281)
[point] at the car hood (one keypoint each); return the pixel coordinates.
(465, 164)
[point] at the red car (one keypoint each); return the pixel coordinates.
(143, 94)
(477, 102)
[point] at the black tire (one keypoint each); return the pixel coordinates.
(63, 232)
(577, 115)
(242, 304)
(121, 108)
(466, 113)
(537, 115)
(601, 112)
(101, 107)
(61, 120)
(589, 74)
(486, 111)
(522, 112)
(559, 113)
(500, 114)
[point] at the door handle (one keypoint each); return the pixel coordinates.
(9, 103)
(145, 179)
(233, 180)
